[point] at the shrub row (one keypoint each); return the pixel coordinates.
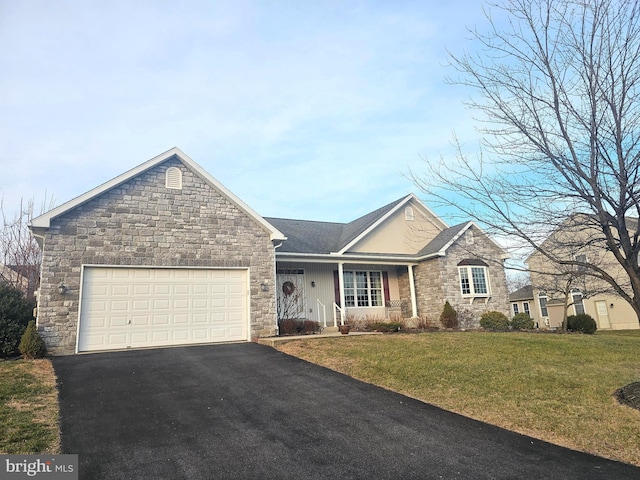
(498, 322)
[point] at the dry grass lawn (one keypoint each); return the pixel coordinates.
(28, 408)
(557, 388)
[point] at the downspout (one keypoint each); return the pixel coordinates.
(41, 244)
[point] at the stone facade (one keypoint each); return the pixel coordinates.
(143, 223)
(437, 280)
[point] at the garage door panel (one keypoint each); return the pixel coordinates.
(139, 307)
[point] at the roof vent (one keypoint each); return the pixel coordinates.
(174, 178)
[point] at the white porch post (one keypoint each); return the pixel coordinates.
(341, 287)
(412, 288)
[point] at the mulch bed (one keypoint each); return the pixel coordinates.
(629, 395)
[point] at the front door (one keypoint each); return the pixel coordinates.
(291, 294)
(603, 315)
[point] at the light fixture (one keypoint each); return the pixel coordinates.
(313, 283)
(265, 285)
(611, 305)
(62, 289)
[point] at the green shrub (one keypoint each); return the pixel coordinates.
(15, 313)
(449, 316)
(581, 323)
(31, 344)
(496, 321)
(384, 327)
(522, 321)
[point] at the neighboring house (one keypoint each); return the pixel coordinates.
(165, 255)
(556, 287)
(522, 301)
(11, 275)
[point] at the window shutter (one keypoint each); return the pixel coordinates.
(385, 285)
(336, 287)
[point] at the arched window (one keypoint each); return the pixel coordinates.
(174, 178)
(408, 213)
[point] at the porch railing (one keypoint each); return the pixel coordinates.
(335, 318)
(324, 312)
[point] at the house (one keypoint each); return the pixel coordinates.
(556, 287)
(166, 255)
(522, 301)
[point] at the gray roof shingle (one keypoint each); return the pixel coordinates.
(306, 236)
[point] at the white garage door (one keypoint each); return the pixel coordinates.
(150, 307)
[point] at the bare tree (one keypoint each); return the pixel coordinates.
(20, 254)
(557, 92)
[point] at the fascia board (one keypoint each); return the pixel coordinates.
(374, 225)
(275, 234)
(334, 258)
(44, 221)
(377, 223)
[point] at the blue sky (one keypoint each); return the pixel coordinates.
(303, 109)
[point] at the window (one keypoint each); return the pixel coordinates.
(578, 304)
(542, 299)
(473, 280)
(408, 214)
(363, 289)
(583, 259)
(525, 305)
(173, 178)
(515, 308)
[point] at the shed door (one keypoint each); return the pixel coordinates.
(152, 307)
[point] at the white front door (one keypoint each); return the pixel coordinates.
(603, 315)
(291, 294)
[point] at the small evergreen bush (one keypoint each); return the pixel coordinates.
(581, 323)
(449, 316)
(384, 327)
(15, 313)
(31, 345)
(495, 321)
(522, 321)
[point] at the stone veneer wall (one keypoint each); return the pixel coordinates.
(143, 223)
(437, 280)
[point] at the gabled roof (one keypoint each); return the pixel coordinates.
(444, 240)
(44, 221)
(325, 238)
(304, 236)
(524, 293)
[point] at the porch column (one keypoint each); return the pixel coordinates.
(341, 287)
(412, 289)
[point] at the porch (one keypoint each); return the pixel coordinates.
(333, 293)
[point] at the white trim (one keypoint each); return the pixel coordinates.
(412, 289)
(44, 221)
(352, 258)
(468, 225)
(377, 223)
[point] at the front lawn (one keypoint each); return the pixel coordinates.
(28, 408)
(557, 388)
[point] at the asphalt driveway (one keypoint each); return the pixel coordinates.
(246, 411)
